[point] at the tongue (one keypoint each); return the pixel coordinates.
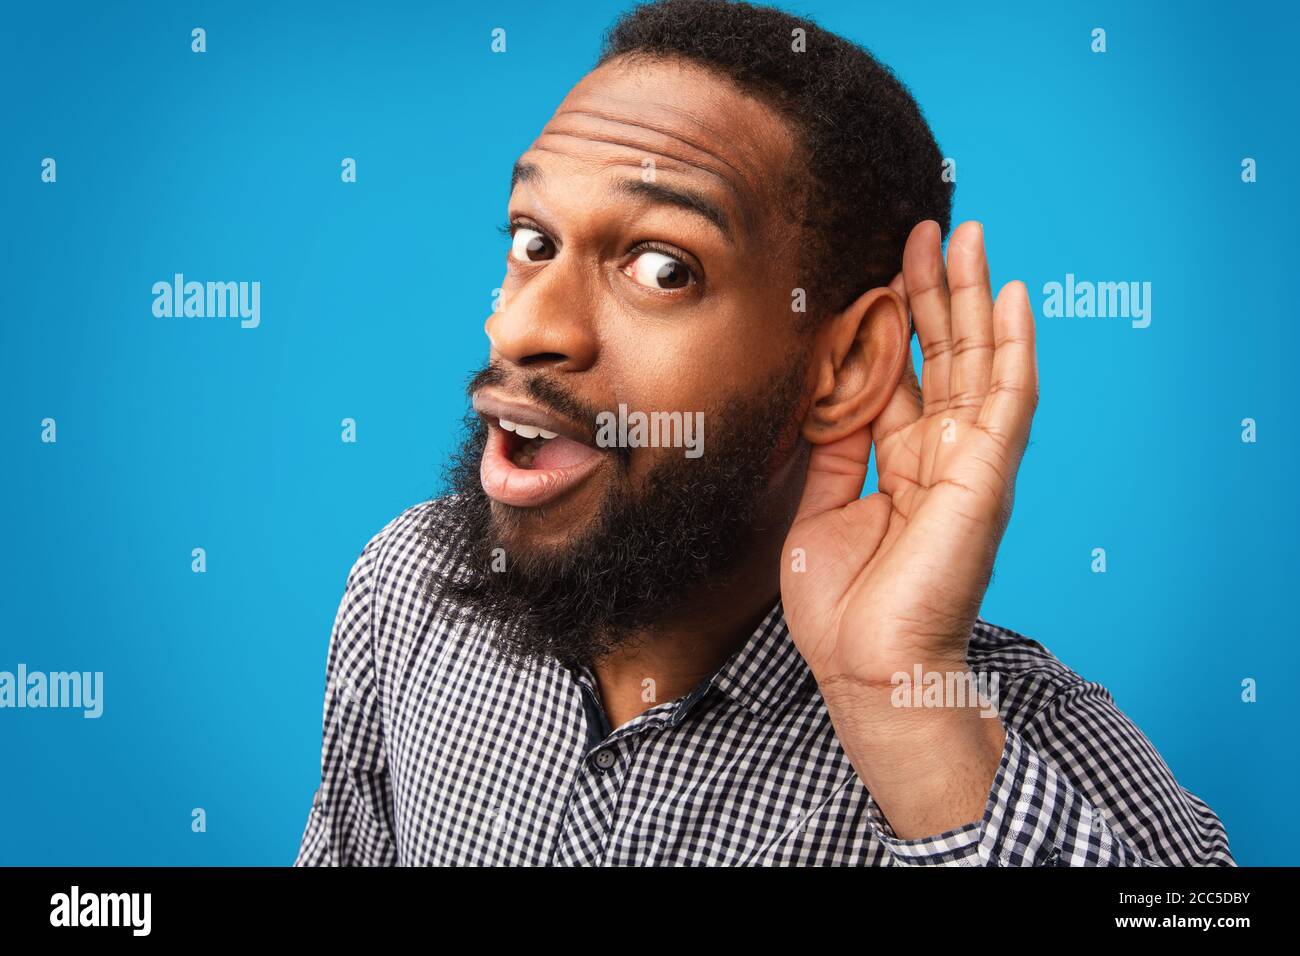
(560, 453)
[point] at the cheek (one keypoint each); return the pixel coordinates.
(659, 422)
(672, 371)
(642, 462)
(690, 369)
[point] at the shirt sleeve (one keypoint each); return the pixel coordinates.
(1078, 785)
(350, 821)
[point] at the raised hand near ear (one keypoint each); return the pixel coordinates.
(896, 579)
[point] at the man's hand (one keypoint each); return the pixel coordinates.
(896, 579)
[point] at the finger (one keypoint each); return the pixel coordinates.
(836, 473)
(899, 287)
(972, 317)
(927, 293)
(903, 409)
(1013, 391)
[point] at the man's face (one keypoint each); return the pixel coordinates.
(652, 266)
(651, 270)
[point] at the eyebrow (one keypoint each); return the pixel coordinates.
(523, 173)
(656, 192)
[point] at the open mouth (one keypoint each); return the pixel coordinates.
(537, 449)
(531, 458)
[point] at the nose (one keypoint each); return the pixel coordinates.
(544, 322)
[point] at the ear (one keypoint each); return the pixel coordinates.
(858, 358)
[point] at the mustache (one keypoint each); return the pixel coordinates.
(547, 393)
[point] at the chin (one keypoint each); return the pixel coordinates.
(550, 530)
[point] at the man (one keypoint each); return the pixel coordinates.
(655, 623)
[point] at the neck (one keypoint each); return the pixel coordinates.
(669, 659)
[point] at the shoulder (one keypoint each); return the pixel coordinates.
(1030, 676)
(1012, 654)
(400, 552)
(386, 610)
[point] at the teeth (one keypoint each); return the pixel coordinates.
(525, 431)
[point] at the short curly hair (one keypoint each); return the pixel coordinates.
(869, 166)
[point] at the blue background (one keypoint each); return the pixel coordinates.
(183, 433)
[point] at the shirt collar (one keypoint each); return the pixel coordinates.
(760, 675)
(766, 670)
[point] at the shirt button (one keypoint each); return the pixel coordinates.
(604, 759)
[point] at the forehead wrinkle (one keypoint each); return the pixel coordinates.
(746, 218)
(661, 130)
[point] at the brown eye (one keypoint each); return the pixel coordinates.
(659, 271)
(529, 245)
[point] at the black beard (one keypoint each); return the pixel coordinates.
(645, 554)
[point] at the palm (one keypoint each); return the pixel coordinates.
(897, 577)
